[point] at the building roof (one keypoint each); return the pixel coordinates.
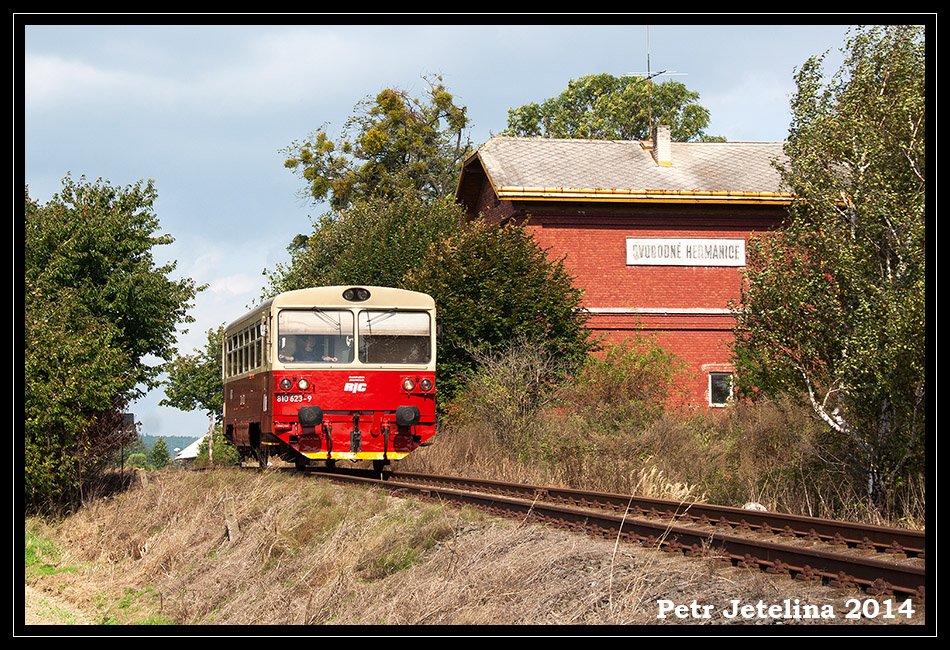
(549, 168)
(191, 451)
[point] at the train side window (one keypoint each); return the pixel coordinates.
(252, 334)
(243, 350)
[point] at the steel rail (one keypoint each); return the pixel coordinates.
(864, 536)
(874, 575)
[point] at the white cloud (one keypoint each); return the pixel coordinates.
(236, 285)
(213, 70)
(51, 80)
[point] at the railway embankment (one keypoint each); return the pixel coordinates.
(236, 547)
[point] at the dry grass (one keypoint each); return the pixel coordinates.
(200, 538)
(235, 547)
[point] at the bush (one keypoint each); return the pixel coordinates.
(508, 393)
(631, 383)
(96, 308)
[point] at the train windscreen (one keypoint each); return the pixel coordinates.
(315, 336)
(399, 337)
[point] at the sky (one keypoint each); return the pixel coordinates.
(204, 110)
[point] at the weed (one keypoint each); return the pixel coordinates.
(42, 557)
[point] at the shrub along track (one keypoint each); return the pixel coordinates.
(880, 561)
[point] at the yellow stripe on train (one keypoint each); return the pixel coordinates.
(360, 455)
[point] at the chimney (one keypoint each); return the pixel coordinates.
(662, 149)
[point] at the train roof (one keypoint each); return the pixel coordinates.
(380, 297)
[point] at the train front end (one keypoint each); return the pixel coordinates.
(354, 380)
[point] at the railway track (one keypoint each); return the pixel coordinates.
(878, 560)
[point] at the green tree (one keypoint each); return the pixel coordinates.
(158, 456)
(137, 460)
(490, 284)
(604, 107)
(374, 242)
(493, 285)
(393, 142)
(224, 452)
(120, 458)
(96, 308)
(833, 305)
(194, 381)
(390, 185)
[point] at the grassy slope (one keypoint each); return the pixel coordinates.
(245, 548)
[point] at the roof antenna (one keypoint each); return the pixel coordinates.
(649, 77)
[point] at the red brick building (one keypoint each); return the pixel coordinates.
(654, 235)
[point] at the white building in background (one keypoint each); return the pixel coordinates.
(190, 452)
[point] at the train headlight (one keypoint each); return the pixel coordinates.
(408, 385)
(303, 384)
(286, 384)
(426, 385)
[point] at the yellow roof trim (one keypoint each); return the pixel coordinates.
(664, 196)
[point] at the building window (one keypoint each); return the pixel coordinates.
(720, 388)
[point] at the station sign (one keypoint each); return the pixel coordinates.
(685, 252)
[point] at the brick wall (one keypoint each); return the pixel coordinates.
(596, 256)
(684, 307)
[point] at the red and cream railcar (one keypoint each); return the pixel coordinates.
(332, 373)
